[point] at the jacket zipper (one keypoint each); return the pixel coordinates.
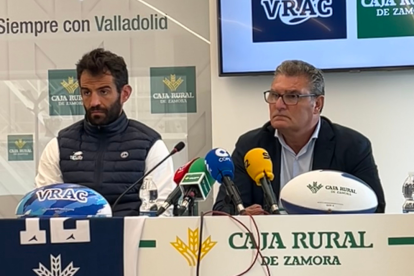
(99, 163)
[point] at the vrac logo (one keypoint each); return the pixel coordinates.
(60, 194)
(288, 20)
(291, 13)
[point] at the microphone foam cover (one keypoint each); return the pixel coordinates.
(258, 164)
(219, 164)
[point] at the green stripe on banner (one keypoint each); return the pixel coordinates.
(147, 244)
(401, 241)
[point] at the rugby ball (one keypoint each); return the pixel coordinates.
(328, 192)
(63, 200)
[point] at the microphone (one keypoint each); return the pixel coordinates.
(260, 168)
(181, 172)
(196, 184)
(176, 149)
(221, 168)
(175, 195)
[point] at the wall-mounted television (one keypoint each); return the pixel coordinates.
(334, 35)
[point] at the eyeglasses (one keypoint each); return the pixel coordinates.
(288, 99)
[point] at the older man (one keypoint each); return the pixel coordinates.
(299, 139)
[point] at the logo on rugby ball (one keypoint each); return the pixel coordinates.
(315, 187)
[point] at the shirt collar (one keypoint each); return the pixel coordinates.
(116, 127)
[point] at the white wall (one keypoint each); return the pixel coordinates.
(378, 104)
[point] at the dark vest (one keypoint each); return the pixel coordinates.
(107, 159)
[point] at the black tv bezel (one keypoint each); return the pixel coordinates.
(267, 73)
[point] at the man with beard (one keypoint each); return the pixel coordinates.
(106, 151)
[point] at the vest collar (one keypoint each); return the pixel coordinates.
(117, 126)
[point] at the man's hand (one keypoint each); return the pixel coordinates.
(254, 210)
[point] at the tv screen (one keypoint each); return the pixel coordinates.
(342, 35)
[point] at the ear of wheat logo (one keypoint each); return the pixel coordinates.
(56, 268)
(71, 85)
(190, 250)
(315, 187)
(173, 83)
(20, 143)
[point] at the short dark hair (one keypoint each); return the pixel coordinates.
(99, 61)
(293, 68)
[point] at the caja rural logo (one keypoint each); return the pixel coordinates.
(64, 93)
(287, 20)
(173, 90)
(190, 250)
(385, 18)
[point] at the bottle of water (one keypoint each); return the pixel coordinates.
(408, 191)
(149, 195)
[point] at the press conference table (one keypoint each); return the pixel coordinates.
(381, 245)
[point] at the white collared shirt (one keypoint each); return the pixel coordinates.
(293, 164)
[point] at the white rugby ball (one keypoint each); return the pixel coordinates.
(328, 192)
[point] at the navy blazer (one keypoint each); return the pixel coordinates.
(337, 148)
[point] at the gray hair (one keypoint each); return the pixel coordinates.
(293, 68)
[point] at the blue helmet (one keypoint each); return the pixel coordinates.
(63, 200)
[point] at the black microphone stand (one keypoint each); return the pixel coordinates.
(191, 208)
(175, 209)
